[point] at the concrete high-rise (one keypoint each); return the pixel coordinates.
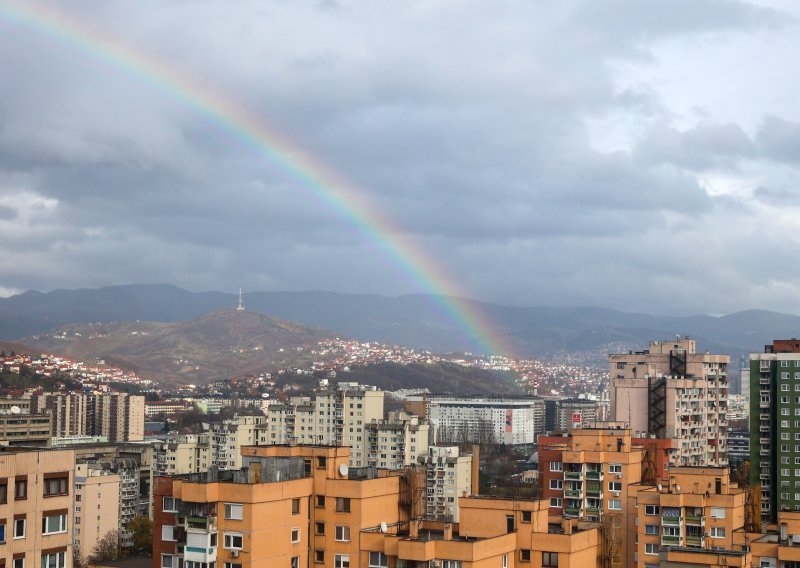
(671, 391)
(117, 416)
(775, 426)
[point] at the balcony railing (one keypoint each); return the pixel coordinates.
(695, 520)
(670, 540)
(572, 475)
(594, 475)
(665, 520)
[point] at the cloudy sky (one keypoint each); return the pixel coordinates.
(642, 155)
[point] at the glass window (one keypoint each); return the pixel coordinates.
(341, 561)
(550, 559)
(19, 528)
(166, 561)
(651, 509)
(233, 541)
(378, 560)
(295, 535)
(20, 489)
(651, 529)
(234, 511)
(343, 504)
(19, 563)
(168, 533)
(56, 486)
(525, 555)
(343, 533)
(295, 506)
(556, 466)
(170, 505)
(650, 548)
(54, 524)
(54, 560)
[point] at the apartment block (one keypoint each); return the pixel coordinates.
(671, 391)
(514, 421)
(450, 475)
(96, 510)
(117, 416)
(693, 515)
(335, 416)
(586, 475)
(300, 506)
(396, 442)
(35, 505)
(183, 453)
(17, 429)
(68, 411)
(775, 426)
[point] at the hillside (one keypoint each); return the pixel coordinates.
(221, 344)
(415, 321)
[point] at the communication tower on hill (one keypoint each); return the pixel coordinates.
(240, 307)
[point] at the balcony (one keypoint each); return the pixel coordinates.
(594, 511)
(574, 475)
(695, 520)
(670, 540)
(594, 475)
(694, 541)
(198, 554)
(572, 511)
(670, 521)
(574, 493)
(596, 493)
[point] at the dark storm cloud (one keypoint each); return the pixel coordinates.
(466, 123)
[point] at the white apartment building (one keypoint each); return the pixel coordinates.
(398, 441)
(336, 416)
(505, 420)
(449, 476)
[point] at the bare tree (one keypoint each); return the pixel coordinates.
(77, 558)
(107, 548)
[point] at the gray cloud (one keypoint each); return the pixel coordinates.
(465, 123)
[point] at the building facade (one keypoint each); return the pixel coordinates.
(450, 474)
(96, 510)
(671, 391)
(398, 441)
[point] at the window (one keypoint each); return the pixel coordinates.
(651, 529)
(526, 516)
(168, 533)
(556, 501)
(615, 486)
(717, 513)
(342, 533)
(525, 555)
(295, 535)
(505, 561)
(232, 565)
(170, 505)
(234, 511)
(343, 504)
(56, 486)
(319, 528)
(3, 533)
(295, 506)
(451, 563)
(651, 509)
(550, 559)
(295, 562)
(615, 468)
(212, 541)
(19, 562)
(233, 541)
(54, 524)
(4, 492)
(378, 560)
(615, 504)
(54, 560)
(717, 532)
(321, 501)
(556, 484)
(341, 561)
(19, 528)
(166, 561)
(322, 462)
(650, 548)
(319, 556)
(556, 466)
(21, 489)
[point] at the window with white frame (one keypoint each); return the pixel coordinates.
(233, 541)
(295, 535)
(341, 561)
(717, 532)
(615, 468)
(54, 560)
(615, 504)
(53, 524)
(451, 563)
(556, 484)
(378, 560)
(168, 533)
(170, 505)
(234, 511)
(19, 528)
(166, 561)
(651, 510)
(556, 466)
(650, 548)
(556, 502)
(651, 529)
(717, 512)
(615, 486)
(342, 533)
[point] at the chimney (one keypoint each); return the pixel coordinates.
(476, 469)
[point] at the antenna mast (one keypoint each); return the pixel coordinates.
(240, 307)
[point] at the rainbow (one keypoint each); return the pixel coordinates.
(317, 178)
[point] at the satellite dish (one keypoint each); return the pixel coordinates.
(343, 469)
(384, 528)
(14, 410)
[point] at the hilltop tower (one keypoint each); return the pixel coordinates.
(240, 307)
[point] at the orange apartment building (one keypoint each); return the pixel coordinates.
(301, 506)
(35, 504)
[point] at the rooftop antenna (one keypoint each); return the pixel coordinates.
(240, 307)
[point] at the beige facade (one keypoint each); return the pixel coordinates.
(449, 476)
(118, 416)
(96, 509)
(336, 416)
(35, 505)
(398, 441)
(69, 412)
(25, 429)
(672, 391)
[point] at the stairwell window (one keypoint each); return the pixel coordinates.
(343, 504)
(234, 511)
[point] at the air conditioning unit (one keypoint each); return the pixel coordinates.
(234, 554)
(619, 476)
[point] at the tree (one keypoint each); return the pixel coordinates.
(77, 557)
(142, 535)
(107, 548)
